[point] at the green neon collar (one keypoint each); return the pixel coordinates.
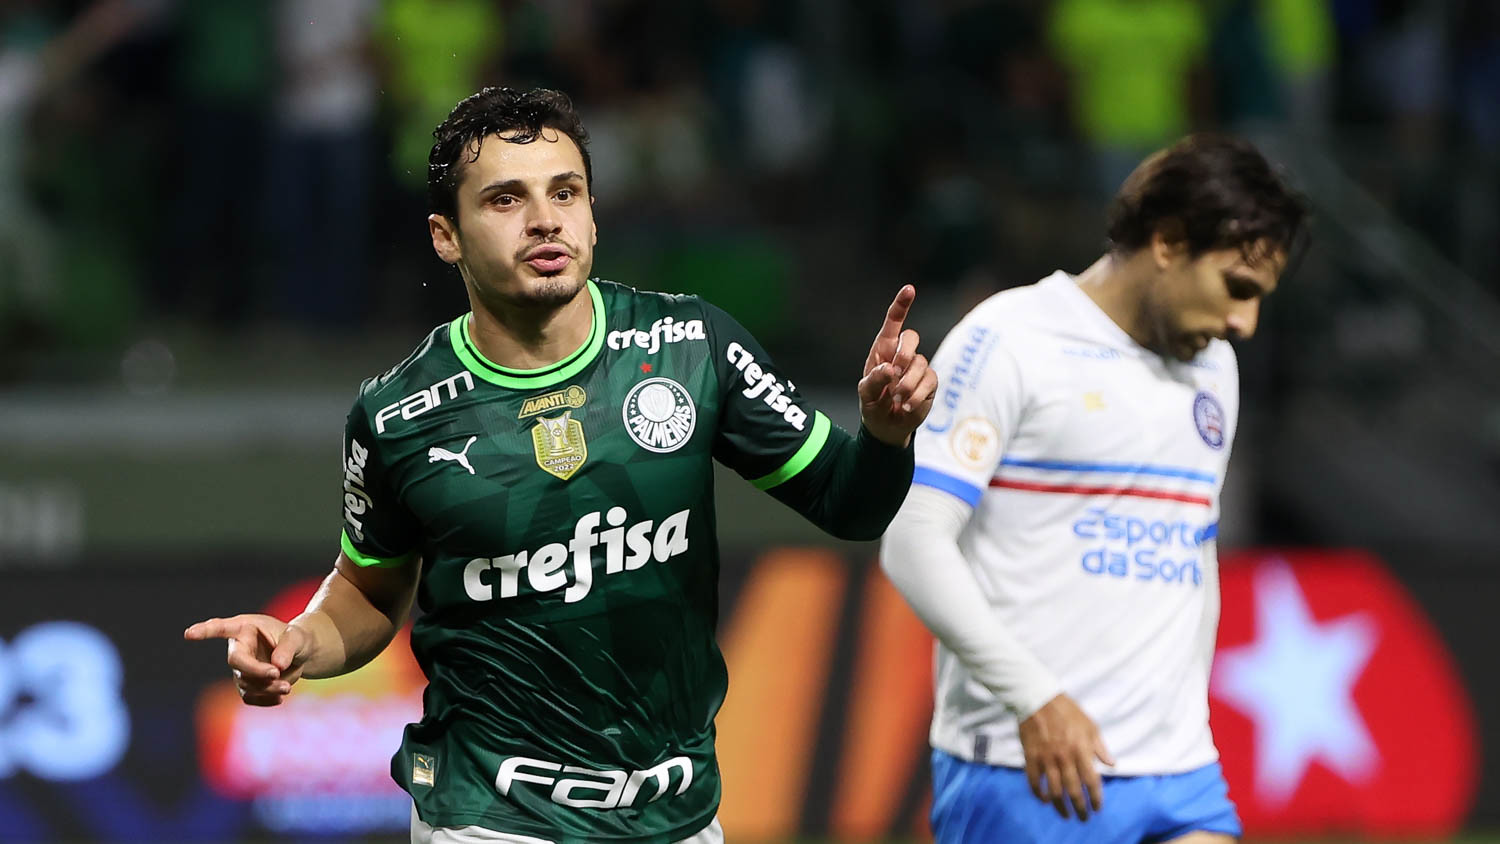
(529, 379)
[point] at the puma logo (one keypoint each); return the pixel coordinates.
(435, 454)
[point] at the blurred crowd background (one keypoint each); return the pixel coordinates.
(212, 226)
(221, 180)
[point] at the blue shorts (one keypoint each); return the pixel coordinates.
(973, 802)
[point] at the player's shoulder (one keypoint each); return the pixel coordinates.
(1029, 305)
(1218, 357)
(635, 315)
(432, 359)
(622, 299)
(1017, 320)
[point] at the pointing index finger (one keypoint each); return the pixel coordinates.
(895, 315)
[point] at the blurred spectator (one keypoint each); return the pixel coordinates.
(1303, 49)
(1132, 65)
(321, 172)
(777, 119)
(37, 57)
(1478, 113)
(1272, 63)
(433, 53)
(27, 290)
(224, 75)
(437, 52)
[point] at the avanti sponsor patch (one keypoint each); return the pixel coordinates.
(573, 397)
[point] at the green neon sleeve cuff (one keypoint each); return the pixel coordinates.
(365, 560)
(799, 461)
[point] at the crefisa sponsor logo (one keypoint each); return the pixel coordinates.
(664, 330)
(626, 548)
(766, 386)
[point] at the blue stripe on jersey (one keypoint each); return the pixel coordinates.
(1210, 532)
(957, 487)
(1122, 468)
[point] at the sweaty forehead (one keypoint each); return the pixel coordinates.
(547, 155)
(1262, 264)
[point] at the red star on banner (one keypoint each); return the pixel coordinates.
(645, 367)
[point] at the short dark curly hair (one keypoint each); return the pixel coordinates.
(458, 138)
(1210, 191)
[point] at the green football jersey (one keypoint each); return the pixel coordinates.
(564, 519)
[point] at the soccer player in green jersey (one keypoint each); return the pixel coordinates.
(538, 476)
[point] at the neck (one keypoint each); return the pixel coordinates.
(1117, 284)
(527, 338)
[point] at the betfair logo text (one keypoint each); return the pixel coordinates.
(585, 788)
(766, 386)
(422, 401)
(664, 330)
(626, 548)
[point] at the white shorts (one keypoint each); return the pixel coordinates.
(421, 833)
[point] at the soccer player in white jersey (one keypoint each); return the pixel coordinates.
(1059, 536)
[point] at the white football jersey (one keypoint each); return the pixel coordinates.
(1094, 468)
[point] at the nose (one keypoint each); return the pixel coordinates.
(543, 223)
(1242, 319)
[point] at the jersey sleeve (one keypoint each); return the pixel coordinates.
(767, 432)
(976, 413)
(378, 530)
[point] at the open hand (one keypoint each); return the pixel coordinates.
(1060, 744)
(897, 389)
(265, 655)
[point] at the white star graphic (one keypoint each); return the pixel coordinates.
(1296, 682)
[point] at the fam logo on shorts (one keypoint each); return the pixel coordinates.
(659, 414)
(1208, 415)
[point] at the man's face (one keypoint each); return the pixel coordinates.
(525, 231)
(1214, 295)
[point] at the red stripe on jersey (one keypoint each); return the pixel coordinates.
(1102, 490)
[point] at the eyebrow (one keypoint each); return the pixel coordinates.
(1239, 277)
(518, 184)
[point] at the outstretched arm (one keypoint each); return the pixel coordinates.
(351, 618)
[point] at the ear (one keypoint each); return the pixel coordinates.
(1167, 244)
(445, 240)
(593, 223)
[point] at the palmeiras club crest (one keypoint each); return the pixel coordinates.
(659, 415)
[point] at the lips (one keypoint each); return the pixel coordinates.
(548, 259)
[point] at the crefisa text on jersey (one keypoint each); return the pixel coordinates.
(356, 500)
(664, 330)
(422, 401)
(766, 386)
(626, 548)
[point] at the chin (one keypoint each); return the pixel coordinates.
(550, 291)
